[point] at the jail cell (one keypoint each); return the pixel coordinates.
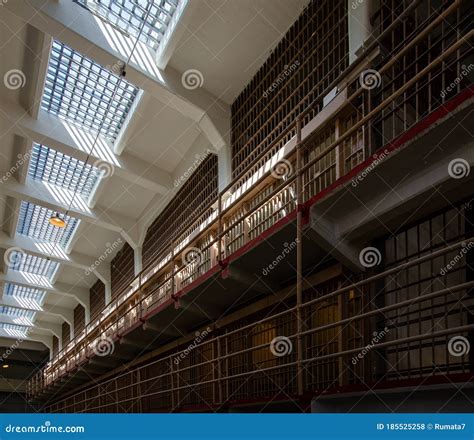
(442, 82)
(445, 311)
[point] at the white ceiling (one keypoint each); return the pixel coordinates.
(227, 41)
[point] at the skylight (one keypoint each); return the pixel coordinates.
(15, 312)
(147, 18)
(59, 169)
(85, 94)
(33, 265)
(33, 222)
(13, 329)
(24, 293)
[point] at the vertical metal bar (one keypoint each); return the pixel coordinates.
(219, 228)
(171, 383)
(299, 260)
(219, 369)
(172, 267)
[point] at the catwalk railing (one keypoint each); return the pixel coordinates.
(363, 119)
(348, 339)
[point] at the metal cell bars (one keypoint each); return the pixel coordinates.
(85, 94)
(32, 264)
(133, 17)
(33, 222)
(24, 294)
(59, 169)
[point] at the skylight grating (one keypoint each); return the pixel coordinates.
(33, 222)
(17, 312)
(33, 264)
(59, 169)
(14, 329)
(24, 293)
(147, 18)
(85, 94)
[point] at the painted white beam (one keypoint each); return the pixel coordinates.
(47, 340)
(44, 309)
(54, 329)
(46, 250)
(55, 253)
(35, 65)
(56, 199)
(68, 139)
(58, 289)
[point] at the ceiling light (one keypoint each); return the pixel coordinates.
(57, 221)
(5, 366)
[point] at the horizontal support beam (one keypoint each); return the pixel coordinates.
(80, 294)
(45, 309)
(68, 139)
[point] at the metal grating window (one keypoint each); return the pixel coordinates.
(15, 312)
(14, 329)
(59, 169)
(33, 222)
(33, 264)
(148, 19)
(85, 94)
(24, 293)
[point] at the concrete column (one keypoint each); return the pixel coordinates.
(108, 292)
(224, 167)
(358, 24)
(137, 255)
